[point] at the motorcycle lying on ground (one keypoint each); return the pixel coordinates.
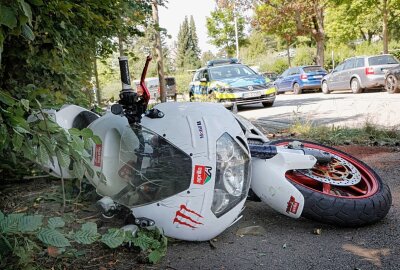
(187, 168)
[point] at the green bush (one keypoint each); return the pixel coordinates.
(182, 82)
(304, 56)
(278, 66)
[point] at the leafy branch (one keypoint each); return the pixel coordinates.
(22, 235)
(40, 139)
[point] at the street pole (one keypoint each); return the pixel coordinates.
(236, 29)
(158, 49)
(236, 35)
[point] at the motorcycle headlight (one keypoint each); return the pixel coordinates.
(232, 177)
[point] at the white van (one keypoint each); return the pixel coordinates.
(152, 85)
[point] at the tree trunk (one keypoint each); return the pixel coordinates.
(288, 54)
(385, 27)
(318, 31)
(320, 51)
(96, 76)
(158, 48)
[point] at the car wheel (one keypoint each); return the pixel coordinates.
(392, 84)
(296, 89)
(355, 86)
(267, 104)
(325, 88)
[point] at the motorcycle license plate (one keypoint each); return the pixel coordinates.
(252, 94)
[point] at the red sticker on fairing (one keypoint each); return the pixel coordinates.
(97, 155)
(187, 217)
(292, 206)
(202, 174)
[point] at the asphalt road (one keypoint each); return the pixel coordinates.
(339, 109)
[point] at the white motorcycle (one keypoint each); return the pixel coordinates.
(187, 168)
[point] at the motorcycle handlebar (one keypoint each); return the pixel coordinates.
(125, 77)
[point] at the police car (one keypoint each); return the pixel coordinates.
(228, 81)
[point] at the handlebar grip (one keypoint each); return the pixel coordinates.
(125, 77)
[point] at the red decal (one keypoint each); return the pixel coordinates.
(202, 174)
(183, 217)
(292, 205)
(97, 155)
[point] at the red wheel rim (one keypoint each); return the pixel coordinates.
(365, 188)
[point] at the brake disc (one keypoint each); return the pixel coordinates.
(338, 172)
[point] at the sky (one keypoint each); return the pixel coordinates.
(172, 17)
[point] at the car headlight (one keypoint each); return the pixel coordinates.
(233, 175)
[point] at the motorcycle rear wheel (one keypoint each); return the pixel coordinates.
(363, 203)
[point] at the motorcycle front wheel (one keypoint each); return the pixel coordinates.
(344, 192)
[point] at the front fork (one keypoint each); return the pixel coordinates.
(269, 166)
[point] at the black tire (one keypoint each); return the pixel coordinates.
(297, 89)
(267, 104)
(392, 84)
(325, 88)
(342, 209)
(355, 86)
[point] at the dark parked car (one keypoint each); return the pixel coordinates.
(359, 73)
(392, 78)
(170, 84)
(297, 79)
(270, 76)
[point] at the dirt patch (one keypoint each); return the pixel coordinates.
(379, 157)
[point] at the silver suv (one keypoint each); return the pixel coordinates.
(359, 73)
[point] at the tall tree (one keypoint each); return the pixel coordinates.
(187, 46)
(385, 14)
(194, 43)
(221, 30)
(350, 21)
(159, 53)
(295, 18)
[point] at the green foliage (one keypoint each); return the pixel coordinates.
(68, 37)
(369, 133)
(182, 82)
(87, 234)
(55, 222)
(187, 46)
(113, 238)
(278, 66)
(41, 139)
(153, 243)
(221, 30)
(19, 234)
(304, 56)
(52, 237)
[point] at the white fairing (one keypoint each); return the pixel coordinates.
(270, 184)
(194, 128)
(268, 175)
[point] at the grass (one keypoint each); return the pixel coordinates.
(369, 134)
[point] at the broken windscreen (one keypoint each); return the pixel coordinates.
(152, 168)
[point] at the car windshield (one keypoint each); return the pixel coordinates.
(313, 69)
(382, 60)
(231, 71)
(150, 168)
